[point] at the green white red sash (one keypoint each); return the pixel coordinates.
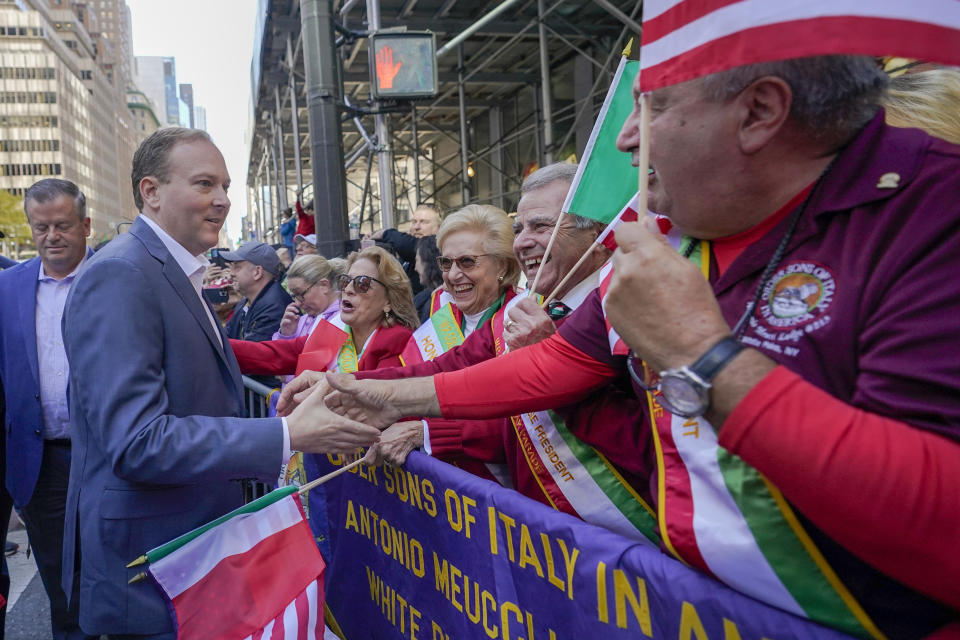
(719, 514)
(440, 333)
(574, 477)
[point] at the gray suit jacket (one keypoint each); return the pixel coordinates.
(155, 406)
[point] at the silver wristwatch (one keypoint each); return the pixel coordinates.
(685, 391)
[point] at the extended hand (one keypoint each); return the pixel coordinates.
(386, 69)
(659, 302)
(316, 429)
(396, 443)
(368, 401)
(527, 323)
(297, 390)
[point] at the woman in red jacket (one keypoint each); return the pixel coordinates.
(375, 323)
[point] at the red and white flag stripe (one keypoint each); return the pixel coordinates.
(301, 620)
(257, 575)
(686, 39)
(608, 239)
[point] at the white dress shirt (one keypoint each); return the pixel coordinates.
(51, 358)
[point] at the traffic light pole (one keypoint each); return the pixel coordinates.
(384, 153)
(323, 118)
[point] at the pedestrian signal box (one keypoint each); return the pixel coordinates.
(403, 65)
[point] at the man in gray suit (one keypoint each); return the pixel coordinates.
(156, 396)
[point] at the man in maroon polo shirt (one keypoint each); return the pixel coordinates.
(804, 395)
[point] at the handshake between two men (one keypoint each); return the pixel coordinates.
(334, 413)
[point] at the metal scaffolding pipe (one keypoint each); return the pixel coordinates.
(323, 90)
(476, 26)
(620, 15)
(268, 215)
(416, 153)
(294, 116)
(464, 140)
(546, 100)
(282, 156)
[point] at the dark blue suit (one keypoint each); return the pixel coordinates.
(21, 377)
(41, 504)
(157, 441)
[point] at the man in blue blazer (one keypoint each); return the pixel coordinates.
(34, 370)
(156, 396)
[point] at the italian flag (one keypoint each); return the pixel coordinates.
(605, 177)
(323, 345)
(254, 573)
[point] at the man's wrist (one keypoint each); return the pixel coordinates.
(734, 381)
(413, 397)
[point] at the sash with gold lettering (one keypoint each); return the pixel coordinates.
(721, 515)
(440, 333)
(576, 478)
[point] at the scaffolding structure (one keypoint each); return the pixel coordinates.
(520, 84)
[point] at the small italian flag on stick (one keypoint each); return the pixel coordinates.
(253, 573)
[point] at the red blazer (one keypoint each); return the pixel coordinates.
(279, 357)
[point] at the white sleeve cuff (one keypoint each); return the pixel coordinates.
(426, 439)
(286, 443)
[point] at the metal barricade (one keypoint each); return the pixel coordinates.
(256, 400)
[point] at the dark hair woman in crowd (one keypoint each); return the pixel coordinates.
(429, 271)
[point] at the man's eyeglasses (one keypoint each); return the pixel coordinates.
(303, 294)
(464, 263)
(361, 284)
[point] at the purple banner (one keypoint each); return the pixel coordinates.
(429, 551)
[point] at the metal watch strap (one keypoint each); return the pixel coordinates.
(716, 357)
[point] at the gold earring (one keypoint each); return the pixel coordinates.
(499, 278)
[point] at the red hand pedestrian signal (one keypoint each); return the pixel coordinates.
(386, 69)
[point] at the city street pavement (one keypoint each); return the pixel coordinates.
(28, 612)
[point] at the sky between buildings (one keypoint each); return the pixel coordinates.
(212, 41)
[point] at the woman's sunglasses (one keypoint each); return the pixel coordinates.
(361, 284)
(464, 263)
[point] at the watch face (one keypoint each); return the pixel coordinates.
(682, 396)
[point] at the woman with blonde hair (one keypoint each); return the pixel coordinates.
(375, 322)
(928, 100)
(311, 281)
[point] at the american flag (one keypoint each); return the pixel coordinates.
(686, 39)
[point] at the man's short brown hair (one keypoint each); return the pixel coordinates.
(151, 156)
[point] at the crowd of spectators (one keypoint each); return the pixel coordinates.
(803, 327)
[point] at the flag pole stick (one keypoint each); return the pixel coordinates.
(644, 161)
(330, 476)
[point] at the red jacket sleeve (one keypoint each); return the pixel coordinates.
(883, 489)
(551, 373)
(274, 357)
(475, 439)
(477, 348)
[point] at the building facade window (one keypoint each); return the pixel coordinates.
(28, 121)
(28, 97)
(31, 169)
(28, 73)
(29, 145)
